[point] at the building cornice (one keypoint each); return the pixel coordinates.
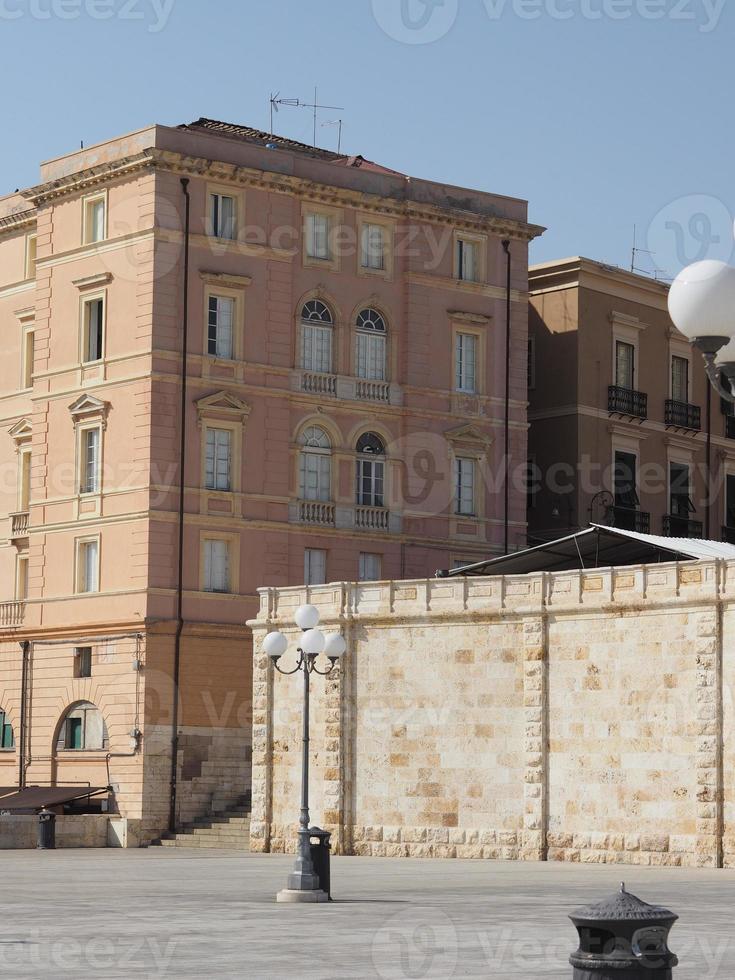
(90, 177)
(18, 220)
(582, 273)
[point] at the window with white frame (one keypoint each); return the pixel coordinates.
(28, 355)
(216, 565)
(315, 465)
(24, 480)
(372, 246)
(370, 567)
(88, 571)
(31, 255)
(467, 260)
(315, 566)
(21, 577)
(464, 481)
(218, 461)
(624, 365)
(316, 337)
(317, 236)
(95, 219)
(89, 460)
(94, 328)
(679, 379)
(223, 215)
(220, 324)
(371, 346)
(466, 362)
(370, 476)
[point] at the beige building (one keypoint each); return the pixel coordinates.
(341, 405)
(619, 410)
(571, 716)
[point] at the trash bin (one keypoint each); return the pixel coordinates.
(623, 938)
(46, 830)
(320, 846)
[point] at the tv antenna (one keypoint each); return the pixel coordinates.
(636, 252)
(276, 101)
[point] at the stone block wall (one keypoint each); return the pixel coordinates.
(575, 716)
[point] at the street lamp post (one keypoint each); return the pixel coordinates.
(303, 882)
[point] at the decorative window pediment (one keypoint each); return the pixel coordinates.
(468, 437)
(87, 408)
(222, 405)
(21, 431)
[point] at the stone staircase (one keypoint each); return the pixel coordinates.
(227, 830)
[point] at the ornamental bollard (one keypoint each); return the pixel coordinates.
(623, 939)
(46, 830)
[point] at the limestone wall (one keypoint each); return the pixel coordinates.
(20, 832)
(576, 716)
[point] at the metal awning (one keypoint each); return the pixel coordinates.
(598, 546)
(37, 797)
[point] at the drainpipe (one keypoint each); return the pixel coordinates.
(22, 740)
(506, 487)
(182, 491)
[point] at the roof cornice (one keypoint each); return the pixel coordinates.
(21, 219)
(90, 177)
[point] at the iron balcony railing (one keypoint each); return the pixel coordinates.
(630, 519)
(625, 401)
(682, 415)
(682, 527)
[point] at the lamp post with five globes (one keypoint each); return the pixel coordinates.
(303, 882)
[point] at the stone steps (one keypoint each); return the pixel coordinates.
(227, 830)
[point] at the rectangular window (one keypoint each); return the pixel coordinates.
(370, 567)
(24, 480)
(465, 486)
(83, 662)
(730, 501)
(94, 320)
(95, 220)
(7, 741)
(317, 236)
(466, 362)
(467, 264)
(626, 490)
(533, 485)
(370, 482)
(680, 379)
(216, 565)
(219, 459)
(316, 348)
(89, 461)
(373, 248)
(21, 577)
(74, 733)
(371, 356)
(680, 490)
(315, 476)
(88, 566)
(315, 566)
(28, 355)
(31, 254)
(220, 326)
(624, 365)
(223, 216)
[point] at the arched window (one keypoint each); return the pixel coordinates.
(316, 337)
(370, 470)
(315, 465)
(83, 729)
(7, 739)
(371, 349)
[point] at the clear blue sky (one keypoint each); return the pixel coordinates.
(600, 123)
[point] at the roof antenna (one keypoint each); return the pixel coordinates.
(636, 252)
(81, 145)
(276, 101)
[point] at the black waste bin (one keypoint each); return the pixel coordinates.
(625, 939)
(320, 846)
(46, 830)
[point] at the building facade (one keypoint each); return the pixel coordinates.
(340, 407)
(620, 411)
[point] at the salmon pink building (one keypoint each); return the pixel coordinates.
(325, 340)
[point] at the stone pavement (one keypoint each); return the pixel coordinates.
(212, 914)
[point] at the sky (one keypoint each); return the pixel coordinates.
(603, 114)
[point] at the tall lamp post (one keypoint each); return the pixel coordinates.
(303, 882)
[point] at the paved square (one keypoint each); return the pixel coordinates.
(212, 914)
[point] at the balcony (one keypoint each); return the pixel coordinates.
(12, 613)
(373, 391)
(316, 512)
(319, 384)
(19, 525)
(730, 426)
(631, 519)
(625, 401)
(372, 518)
(728, 535)
(680, 415)
(682, 527)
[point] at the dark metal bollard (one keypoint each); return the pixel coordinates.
(623, 939)
(46, 831)
(320, 854)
